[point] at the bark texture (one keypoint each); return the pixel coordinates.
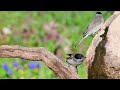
(103, 55)
(62, 70)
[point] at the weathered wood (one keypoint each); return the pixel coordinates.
(36, 54)
(103, 55)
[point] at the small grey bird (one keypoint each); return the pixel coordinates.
(94, 26)
(75, 59)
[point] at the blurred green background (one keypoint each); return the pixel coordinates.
(58, 31)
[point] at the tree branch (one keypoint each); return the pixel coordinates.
(110, 20)
(36, 54)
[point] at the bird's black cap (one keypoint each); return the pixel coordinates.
(98, 13)
(78, 56)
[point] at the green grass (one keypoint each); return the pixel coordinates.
(71, 25)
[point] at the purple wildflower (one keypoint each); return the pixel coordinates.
(31, 65)
(20, 67)
(15, 63)
(38, 65)
(5, 66)
(10, 72)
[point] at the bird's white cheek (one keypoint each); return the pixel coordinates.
(71, 61)
(80, 61)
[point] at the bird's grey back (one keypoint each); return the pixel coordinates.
(98, 20)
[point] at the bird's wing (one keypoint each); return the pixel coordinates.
(69, 54)
(97, 21)
(79, 42)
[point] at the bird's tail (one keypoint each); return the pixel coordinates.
(81, 41)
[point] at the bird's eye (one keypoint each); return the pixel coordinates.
(78, 56)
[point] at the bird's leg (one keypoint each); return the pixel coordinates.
(92, 36)
(98, 31)
(76, 69)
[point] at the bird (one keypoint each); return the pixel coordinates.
(94, 27)
(75, 59)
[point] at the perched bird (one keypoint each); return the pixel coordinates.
(75, 59)
(94, 26)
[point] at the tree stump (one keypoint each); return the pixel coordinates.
(103, 55)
